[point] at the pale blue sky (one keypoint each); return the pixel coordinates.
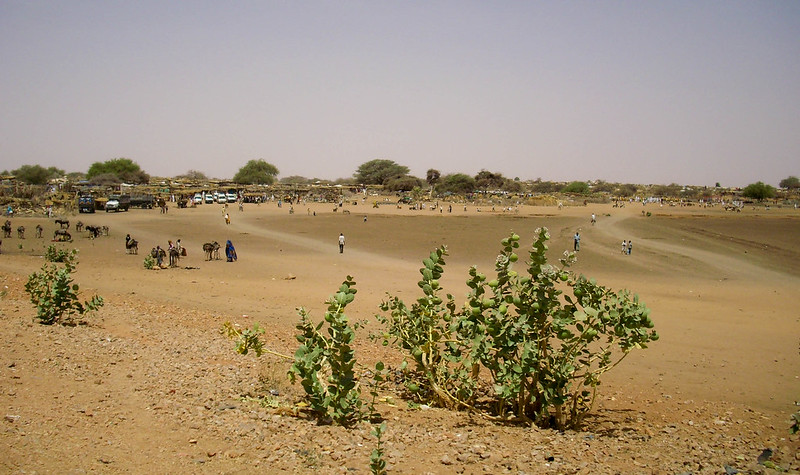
(692, 92)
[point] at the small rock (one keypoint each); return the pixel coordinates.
(446, 460)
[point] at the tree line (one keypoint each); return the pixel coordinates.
(391, 175)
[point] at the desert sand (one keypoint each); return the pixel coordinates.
(150, 385)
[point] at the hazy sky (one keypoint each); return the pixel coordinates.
(692, 92)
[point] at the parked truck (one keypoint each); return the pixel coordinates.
(142, 201)
(118, 203)
(86, 203)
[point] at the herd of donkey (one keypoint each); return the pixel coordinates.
(62, 234)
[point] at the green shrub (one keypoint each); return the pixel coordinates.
(325, 364)
(544, 350)
(149, 262)
(55, 296)
(54, 254)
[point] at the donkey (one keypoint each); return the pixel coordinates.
(131, 245)
(39, 231)
(212, 250)
(21, 232)
(61, 235)
(174, 256)
(7, 229)
(63, 223)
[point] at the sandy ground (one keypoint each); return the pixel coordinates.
(150, 384)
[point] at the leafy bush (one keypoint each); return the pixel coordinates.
(544, 350)
(54, 254)
(55, 296)
(149, 262)
(325, 364)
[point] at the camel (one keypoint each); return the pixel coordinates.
(212, 250)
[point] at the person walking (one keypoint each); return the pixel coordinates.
(630, 246)
(594, 219)
(341, 243)
(576, 244)
(624, 246)
(230, 251)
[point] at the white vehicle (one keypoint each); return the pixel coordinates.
(198, 198)
(231, 197)
(221, 198)
(209, 199)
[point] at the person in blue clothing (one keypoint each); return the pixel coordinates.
(230, 251)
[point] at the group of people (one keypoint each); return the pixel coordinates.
(627, 246)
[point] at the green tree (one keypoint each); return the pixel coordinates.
(539, 186)
(124, 169)
(626, 189)
(256, 172)
(194, 175)
(457, 183)
(673, 190)
(486, 180)
(296, 179)
(791, 183)
(576, 187)
(403, 183)
(105, 179)
(432, 177)
(758, 191)
(378, 172)
(36, 174)
(512, 186)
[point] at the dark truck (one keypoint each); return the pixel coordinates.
(143, 201)
(86, 204)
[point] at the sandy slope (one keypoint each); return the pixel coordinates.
(722, 289)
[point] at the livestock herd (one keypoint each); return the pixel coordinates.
(60, 234)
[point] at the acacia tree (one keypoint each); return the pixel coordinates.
(457, 183)
(791, 183)
(403, 183)
(486, 180)
(256, 172)
(758, 191)
(193, 175)
(379, 171)
(36, 174)
(124, 169)
(432, 177)
(576, 187)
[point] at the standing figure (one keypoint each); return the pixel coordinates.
(341, 243)
(576, 242)
(624, 246)
(630, 246)
(230, 251)
(594, 219)
(227, 218)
